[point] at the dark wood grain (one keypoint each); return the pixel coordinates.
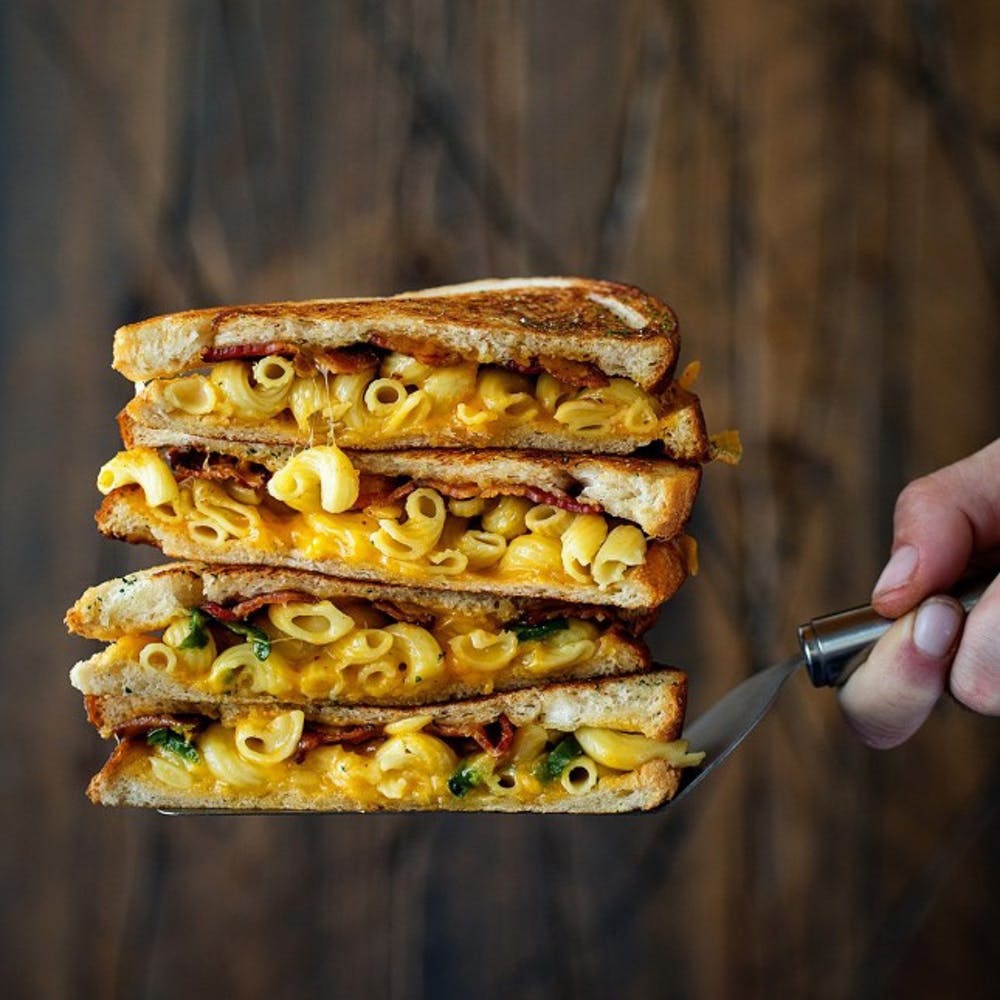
(814, 186)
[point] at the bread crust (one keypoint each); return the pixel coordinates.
(511, 321)
(651, 703)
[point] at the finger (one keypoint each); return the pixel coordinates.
(890, 695)
(939, 522)
(975, 673)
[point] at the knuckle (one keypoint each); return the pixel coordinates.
(917, 496)
(982, 698)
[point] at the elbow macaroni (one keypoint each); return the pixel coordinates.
(406, 763)
(315, 480)
(405, 397)
(144, 467)
(317, 517)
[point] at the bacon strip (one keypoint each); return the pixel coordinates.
(561, 500)
(190, 463)
(628, 627)
(236, 352)
(579, 374)
(143, 724)
(425, 353)
(320, 736)
(346, 360)
(375, 489)
(495, 746)
(404, 611)
(466, 491)
(362, 357)
(333, 360)
(245, 608)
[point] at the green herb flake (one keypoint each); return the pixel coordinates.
(527, 633)
(197, 637)
(259, 640)
(175, 742)
(468, 774)
(552, 765)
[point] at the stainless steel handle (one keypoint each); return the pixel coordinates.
(833, 646)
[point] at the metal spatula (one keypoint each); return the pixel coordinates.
(831, 648)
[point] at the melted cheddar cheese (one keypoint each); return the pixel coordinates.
(351, 653)
(403, 397)
(407, 764)
(507, 538)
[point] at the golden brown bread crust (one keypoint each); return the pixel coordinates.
(123, 515)
(507, 321)
(651, 703)
(150, 599)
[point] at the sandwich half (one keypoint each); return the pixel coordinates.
(609, 745)
(185, 634)
(568, 364)
(600, 530)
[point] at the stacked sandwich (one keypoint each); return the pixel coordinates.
(445, 614)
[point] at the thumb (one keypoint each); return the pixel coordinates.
(940, 522)
(890, 695)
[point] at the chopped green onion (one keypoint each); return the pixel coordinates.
(260, 641)
(552, 765)
(525, 633)
(175, 742)
(470, 772)
(197, 637)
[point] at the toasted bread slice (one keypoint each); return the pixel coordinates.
(619, 329)
(216, 775)
(150, 599)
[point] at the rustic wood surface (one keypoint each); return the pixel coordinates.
(814, 186)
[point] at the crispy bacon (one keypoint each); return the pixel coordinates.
(425, 353)
(377, 489)
(579, 374)
(495, 738)
(320, 736)
(562, 500)
(333, 360)
(244, 609)
(405, 611)
(143, 724)
(346, 360)
(237, 352)
(466, 491)
(543, 611)
(190, 463)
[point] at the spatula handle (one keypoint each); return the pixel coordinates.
(832, 645)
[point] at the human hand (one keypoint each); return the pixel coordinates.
(942, 522)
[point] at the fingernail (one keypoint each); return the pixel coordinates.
(898, 570)
(936, 626)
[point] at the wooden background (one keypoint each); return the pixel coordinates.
(813, 185)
